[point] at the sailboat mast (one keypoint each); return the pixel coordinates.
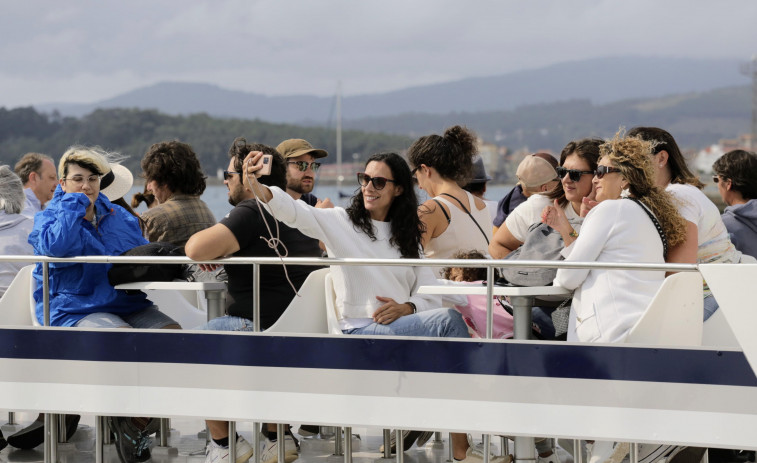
(339, 176)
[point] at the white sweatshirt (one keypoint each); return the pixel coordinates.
(356, 287)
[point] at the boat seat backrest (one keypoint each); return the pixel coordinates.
(307, 312)
(717, 332)
(331, 313)
(674, 317)
(14, 305)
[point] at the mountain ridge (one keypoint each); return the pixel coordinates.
(601, 80)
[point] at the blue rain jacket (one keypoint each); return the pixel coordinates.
(77, 290)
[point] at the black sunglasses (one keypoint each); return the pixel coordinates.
(602, 170)
(716, 178)
(412, 175)
(302, 166)
(574, 174)
(228, 173)
(378, 182)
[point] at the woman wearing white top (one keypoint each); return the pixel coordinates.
(381, 222)
(707, 239)
(607, 303)
(454, 219)
(577, 163)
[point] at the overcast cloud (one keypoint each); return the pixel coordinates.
(84, 51)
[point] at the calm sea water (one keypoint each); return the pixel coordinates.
(216, 198)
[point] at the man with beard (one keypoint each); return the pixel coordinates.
(241, 234)
(300, 157)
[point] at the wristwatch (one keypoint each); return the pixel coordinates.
(412, 306)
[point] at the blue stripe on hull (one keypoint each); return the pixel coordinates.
(533, 359)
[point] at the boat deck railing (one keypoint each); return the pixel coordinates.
(577, 390)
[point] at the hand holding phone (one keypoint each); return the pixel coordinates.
(256, 164)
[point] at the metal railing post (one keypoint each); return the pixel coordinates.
(338, 441)
(100, 429)
(400, 444)
(489, 308)
(282, 442)
(348, 444)
(256, 296)
(387, 443)
(233, 441)
(255, 442)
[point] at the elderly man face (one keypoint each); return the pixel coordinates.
(43, 183)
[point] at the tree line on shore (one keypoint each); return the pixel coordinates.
(131, 131)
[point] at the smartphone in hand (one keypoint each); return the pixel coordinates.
(266, 161)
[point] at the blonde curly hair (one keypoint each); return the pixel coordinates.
(632, 155)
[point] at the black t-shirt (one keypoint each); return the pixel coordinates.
(246, 223)
(309, 198)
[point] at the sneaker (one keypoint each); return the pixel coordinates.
(653, 453)
(214, 453)
(609, 452)
(271, 450)
(34, 434)
(3, 442)
(478, 448)
(308, 430)
(424, 437)
(408, 438)
(474, 456)
(132, 444)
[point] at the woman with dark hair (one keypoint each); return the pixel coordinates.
(453, 218)
(706, 236)
(735, 175)
(577, 163)
(381, 222)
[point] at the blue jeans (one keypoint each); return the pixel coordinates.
(228, 323)
(710, 306)
(438, 323)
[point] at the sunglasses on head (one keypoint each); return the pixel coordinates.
(378, 182)
(302, 166)
(574, 174)
(602, 170)
(228, 173)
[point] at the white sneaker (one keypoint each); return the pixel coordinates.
(214, 453)
(271, 450)
(474, 456)
(608, 452)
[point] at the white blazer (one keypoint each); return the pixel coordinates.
(607, 303)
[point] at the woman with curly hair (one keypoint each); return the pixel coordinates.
(619, 228)
(454, 219)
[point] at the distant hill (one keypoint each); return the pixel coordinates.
(600, 81)
(696, 119)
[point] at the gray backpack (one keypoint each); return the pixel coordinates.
(542, 243)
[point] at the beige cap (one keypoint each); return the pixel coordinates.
(297, 147)
(535, 171)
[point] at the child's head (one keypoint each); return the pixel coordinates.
(465, 273)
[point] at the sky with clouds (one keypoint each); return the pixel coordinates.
(85, 51)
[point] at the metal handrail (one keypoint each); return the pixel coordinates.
(467, 263)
